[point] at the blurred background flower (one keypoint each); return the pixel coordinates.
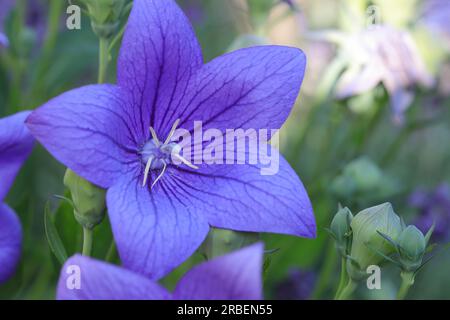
(436, 16)
(299, 285)
(380, 55)
(433, 207)
(5, 7)
(4, 42)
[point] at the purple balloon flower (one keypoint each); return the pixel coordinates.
(236, 276)
(433, 207)
(161, 211)
(15, 145)
(299, 285)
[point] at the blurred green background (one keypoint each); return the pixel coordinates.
(351, 150)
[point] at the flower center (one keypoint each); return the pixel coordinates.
(158, 155)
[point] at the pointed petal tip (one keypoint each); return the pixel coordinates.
(10, 242)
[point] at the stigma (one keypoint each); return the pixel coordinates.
(157, 155)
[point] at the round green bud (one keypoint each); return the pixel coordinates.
(363, 179)
(88, 200)
(221, 241)
(411, 247)
(341, 230)
(367, 243)
(104, 30)
(105, 16)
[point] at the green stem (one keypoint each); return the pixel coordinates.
(110, 255)
(103, 60)
(407, 282)
(368, 130)
(343, 277)
(322, 96)
(54, 18)
(326, 272)
(16, 57)
(87, 241)
(348, 290)
(119, 35)
(395, 147)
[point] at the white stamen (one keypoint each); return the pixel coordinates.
(166, 149)
(172, 131)
(155, 137)
(186, 162)
(147, 170)
(161, 174)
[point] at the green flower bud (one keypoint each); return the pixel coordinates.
(367, 243)
(341, 230)
(88, 200)
(359, 176)
(363, 179)
(411, 248)
(221, 241)
(105, 16)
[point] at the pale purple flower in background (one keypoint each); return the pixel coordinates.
(433, 207)
(112, 136)
(383, 55)
(15, 145)
(235, 276)
(435, 16)
(299, 285)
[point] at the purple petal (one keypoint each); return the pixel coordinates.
(102, 281)
(240, 197)
(88, 130)
(154, 230)
(4, 42)
(249, 88)
(400, 102)
(158, 56)
(236, 276)
(16, 144)
(10, 242)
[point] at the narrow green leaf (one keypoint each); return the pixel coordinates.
(388, 239)
(430, 232)
(53, 238)
(383, 255)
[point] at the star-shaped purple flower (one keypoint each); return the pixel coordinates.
(119, 138)
(16, 144)
(236, 276)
